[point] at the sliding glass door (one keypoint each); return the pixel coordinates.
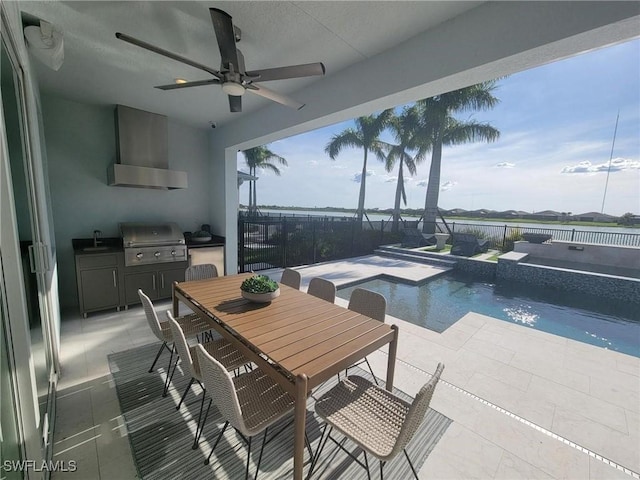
(30, 318)
(10, 444)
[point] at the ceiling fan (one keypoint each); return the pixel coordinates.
(233, 77)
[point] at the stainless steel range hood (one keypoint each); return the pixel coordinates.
(143, 152)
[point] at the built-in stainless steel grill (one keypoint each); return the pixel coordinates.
(146, 243)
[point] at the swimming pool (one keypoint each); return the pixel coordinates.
(442, 301)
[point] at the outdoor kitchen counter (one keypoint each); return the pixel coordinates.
(99, 274)
(216, 241)
(84, 246)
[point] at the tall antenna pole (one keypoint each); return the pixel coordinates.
(610, 158)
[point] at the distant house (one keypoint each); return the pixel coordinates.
(544, 215)
(509, 214)
(595, 217)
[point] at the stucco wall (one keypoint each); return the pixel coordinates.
(81, 145)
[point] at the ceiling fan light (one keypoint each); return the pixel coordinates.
(233, 89)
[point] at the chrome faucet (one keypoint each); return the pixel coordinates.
(96, 235)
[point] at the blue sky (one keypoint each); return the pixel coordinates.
(557, 124)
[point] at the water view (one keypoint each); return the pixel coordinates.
(386, 217)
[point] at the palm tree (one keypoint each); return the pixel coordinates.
(405, 129)
(440, 128)
(260, 157)
(366, 136)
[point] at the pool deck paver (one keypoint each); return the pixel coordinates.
(533, 385)
(517, 396)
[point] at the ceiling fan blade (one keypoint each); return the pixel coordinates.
(166, 53)
(276, 97)
(197, 83)
(293, 71)
(223, 26)
(235, 103)
(240, 61)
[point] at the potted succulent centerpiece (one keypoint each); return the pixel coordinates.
(259, 289)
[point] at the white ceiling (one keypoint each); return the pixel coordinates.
(100, 69)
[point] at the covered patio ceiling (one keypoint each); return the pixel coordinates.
(100, 69)
(377, 54)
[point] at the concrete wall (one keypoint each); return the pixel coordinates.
(586, 253)
(80, 146)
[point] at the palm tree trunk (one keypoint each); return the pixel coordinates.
(396, 207)
(255, 198)
(363, 179)
(433, 189)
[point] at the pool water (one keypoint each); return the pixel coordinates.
(442, 301)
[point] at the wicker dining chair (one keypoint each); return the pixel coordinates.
(291, 278)
(251, 402)
(200, 272)
(378, 421)
(321, 288)
(223, 351)
(192, 326)
(372, 305)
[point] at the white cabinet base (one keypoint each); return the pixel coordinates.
(214, 255)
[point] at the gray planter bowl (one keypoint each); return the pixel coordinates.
(536, 237)
(260, 297)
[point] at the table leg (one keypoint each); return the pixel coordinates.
(391, 361)
(175, 301)
(300, 413)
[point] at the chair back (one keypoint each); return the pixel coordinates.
(417, 411)
(291, 278)
(368, 303)
(200, 272)
(152, 316)
(321, 288)
(180, 342)
(219, 385)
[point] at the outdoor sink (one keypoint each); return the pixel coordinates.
(95, 249)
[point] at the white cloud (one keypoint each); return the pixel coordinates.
(448, 185)
(617, 165)
(422, 183)
(505, 165)
(339, 167)
(357, 177)
(391, 179)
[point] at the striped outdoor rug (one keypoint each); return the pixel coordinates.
(161, 437)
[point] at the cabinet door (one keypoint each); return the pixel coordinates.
(146, 281)
(99, 288)
(166, 279)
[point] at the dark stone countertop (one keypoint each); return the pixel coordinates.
(215, 241)
(84, 246)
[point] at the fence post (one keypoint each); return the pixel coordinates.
(504, 238)
(573, 232)
(313, 240)
(241, 264)
(285, 237)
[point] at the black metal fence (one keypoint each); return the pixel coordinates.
(269, 242)
(501, 237)
(282, 241)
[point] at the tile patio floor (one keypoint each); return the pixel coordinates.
(524, 404)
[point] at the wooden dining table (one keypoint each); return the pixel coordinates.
(299, 340)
